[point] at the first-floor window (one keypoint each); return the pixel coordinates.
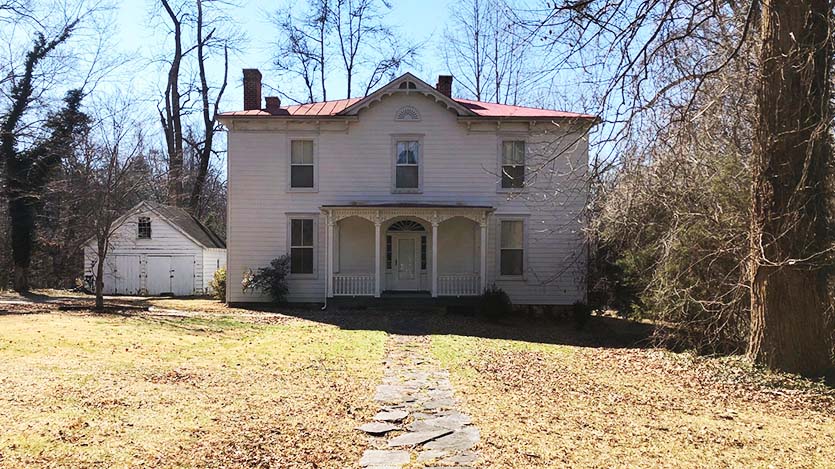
(301, 246)
(512, 247)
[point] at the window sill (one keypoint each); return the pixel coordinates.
(303, 189)
(407, 191)
(312, 276)
(512, 278)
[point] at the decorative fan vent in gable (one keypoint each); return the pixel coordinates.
(407, 113)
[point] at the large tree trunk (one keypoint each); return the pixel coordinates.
(791, 326)
(22, 218)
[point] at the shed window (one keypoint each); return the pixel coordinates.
(301, 164)
(512, 247)
(513, 164)
(301, 246)
(407, 170)
(143, 228)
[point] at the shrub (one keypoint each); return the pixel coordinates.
(494, 303)
(582, 314)
(271, 280)
(217, 286)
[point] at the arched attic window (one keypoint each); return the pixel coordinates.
(406, 225)
(408, 85)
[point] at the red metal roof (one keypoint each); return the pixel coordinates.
(482, 109)
(505, 110)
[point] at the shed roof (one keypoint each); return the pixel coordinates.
(189, 224)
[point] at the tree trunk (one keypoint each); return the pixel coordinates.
(100, 280)
(22, 218)
(791, 327)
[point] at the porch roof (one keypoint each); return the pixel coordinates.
(410, 205)
(432, 212)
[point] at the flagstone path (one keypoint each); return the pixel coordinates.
(418, 421)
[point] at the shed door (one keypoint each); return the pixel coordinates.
(170, 275)
(159, 275)
(182, 271)
(121, 275)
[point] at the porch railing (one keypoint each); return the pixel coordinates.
(459, 285)
(353, 284)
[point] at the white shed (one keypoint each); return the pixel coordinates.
(158, 250)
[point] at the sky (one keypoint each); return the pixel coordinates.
(135, 32)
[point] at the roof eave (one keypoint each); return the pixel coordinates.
(590, 119)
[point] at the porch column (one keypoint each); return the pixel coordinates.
(377, 259)
(434, 259)
(329, 286)
(483, 269)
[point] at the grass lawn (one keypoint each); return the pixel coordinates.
(551, 405)
(83, 390)
(193, 383)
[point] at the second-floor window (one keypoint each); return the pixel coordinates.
(143, 228)
(301, 165)
(407, 165)
(513, 164)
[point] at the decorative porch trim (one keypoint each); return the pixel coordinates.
(434, 215)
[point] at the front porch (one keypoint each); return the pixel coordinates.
(406, 249)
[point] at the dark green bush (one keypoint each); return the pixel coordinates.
(271, 280)
(582, 314)
(217, 286)
(495, 304)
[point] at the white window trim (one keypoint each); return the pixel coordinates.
(421, 153)
(305, 216)
(303, 136)
(150, 226)
(525, 247)
(510, 137)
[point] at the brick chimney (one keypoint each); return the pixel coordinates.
(252, 89)
(445, 85)
(273, 104)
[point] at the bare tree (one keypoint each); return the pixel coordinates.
(210, 125)
(26, 171)
(302, 51)
(171, 116)
(632, 47)
(485, 50)
(111, 166)
(204, 19)
(353, 32)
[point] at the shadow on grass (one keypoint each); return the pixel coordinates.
(600, 331)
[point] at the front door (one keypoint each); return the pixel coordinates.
(405, 262)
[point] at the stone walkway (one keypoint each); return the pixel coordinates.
(418, 422)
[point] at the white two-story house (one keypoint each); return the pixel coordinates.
(407, 190)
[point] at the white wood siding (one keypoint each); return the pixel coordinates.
(213, 259)
(165, 241)
(460, 166)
